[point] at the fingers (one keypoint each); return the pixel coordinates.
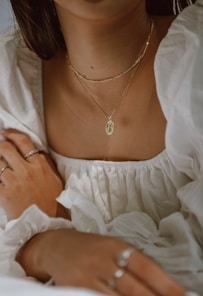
(96, 265)
(25, 148)
(153, 275)
(136, 274)
(92, 284)
(16, 148)
(10, 154)
(21, 141)
(26, 176)
(117, 280)
(126, 284)
(3, 167)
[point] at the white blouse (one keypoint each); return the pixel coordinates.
(157, 204)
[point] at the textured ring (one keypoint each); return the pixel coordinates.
(117, 275)
(3, 169)
(30, 153)
(124, 256)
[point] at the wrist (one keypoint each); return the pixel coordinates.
(25, 240)
(32, 257)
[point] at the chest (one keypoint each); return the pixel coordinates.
(77, 127)
(136, 136)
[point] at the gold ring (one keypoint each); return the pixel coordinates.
(3, 169)
(30, 153)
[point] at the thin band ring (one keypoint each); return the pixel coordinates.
(124, 257)
(30, 153)
(3, 169)
(117, 275)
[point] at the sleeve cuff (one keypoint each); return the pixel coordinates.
(17, 232)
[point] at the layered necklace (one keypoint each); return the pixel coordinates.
(110, 124)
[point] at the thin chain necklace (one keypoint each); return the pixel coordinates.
(135, 63)
(110, 125)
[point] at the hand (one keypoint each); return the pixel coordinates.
(26, 181)
(88, 260)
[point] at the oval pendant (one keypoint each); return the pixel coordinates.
(109, 128)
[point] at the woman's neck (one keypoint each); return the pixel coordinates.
(105, 47)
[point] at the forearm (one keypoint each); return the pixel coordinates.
(18, 232)
(42, 253)
(32, 256)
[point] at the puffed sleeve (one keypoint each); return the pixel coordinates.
(15, 233)
(20, 92)
(179, 76)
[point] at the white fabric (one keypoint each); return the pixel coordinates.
(19, 231)
(18, 287)
(7, 19)
(155, 204)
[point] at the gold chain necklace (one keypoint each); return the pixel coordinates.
(135, 63)
(110, 125)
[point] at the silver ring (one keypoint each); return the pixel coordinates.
(3, 169)
(30, 153)
(117, 275)
(124, 256)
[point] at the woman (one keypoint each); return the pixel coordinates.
(103, 116)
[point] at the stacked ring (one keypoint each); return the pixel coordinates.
(3, 169)
(122, 261)
(124, 256)
(30, 153)
(117, 275)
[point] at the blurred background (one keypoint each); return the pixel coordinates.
(7, 21)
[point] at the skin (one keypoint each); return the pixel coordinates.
(100, 33)
(105, 47)
(38, 169)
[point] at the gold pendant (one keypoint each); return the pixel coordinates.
(109, 128)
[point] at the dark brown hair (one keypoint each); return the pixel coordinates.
(40, 26)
